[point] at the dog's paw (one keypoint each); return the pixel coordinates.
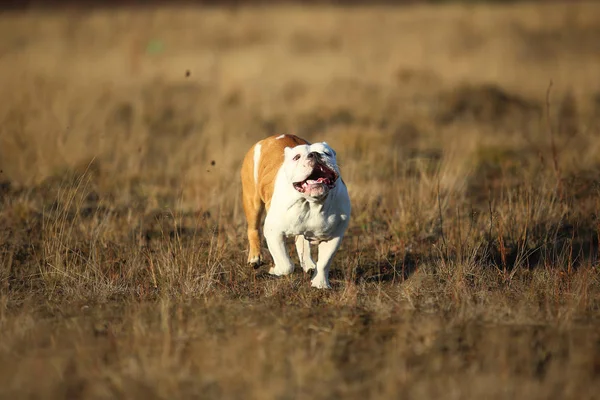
(281, 271)
(307, 266)
(255, 262)
(320, 282)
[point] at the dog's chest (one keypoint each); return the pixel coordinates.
(314, 221)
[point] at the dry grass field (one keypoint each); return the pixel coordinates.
(468, 135)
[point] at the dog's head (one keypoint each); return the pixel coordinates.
(311, 169)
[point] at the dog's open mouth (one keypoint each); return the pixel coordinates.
(321, 175)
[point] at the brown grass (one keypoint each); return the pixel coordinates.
(470, 268)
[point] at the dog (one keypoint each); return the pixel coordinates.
(300, 187)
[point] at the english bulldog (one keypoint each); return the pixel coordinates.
(300, 187)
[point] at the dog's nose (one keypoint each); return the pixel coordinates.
(312, 155)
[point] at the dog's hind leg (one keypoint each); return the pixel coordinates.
(303, 249)
(253, 207)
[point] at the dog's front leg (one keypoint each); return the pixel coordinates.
(326, 251)
(276, 245)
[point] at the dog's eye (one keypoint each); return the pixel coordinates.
(327, 153)
(296, 157)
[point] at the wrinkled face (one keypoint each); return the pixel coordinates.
(312, 169)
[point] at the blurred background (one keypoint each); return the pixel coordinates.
(162, 99)
(119, 3)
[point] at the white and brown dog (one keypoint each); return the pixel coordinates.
(299, 184)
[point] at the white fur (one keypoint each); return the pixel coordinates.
(280, 137)
(256, 161)
(323, 219)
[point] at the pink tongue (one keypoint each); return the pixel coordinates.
(312, 182)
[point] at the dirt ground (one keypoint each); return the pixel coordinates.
(468, 135)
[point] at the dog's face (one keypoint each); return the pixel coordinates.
(311, 169)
